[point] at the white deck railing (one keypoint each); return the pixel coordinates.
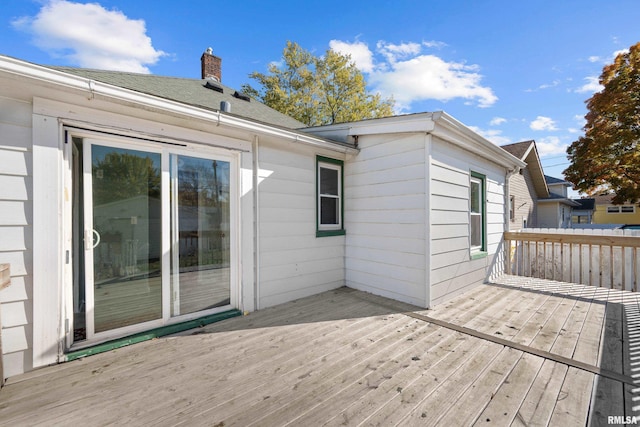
(604, 258)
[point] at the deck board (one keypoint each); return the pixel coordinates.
(346, 357)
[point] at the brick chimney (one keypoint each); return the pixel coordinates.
(211, 65)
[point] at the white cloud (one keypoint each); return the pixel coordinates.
(550, 145)
(497, 121)
(592, 85)
(394, 52)
(402, 71)
(434, 43)
(594, 58)
(360, 53)
(91, 36)
(543, 123)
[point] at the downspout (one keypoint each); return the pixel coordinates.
(256, 225)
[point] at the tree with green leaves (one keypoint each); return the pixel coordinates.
(318, 90)
(607, 158)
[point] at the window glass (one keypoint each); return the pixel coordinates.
(328, 181)
(329, 210)
(475, 196)
(627, 209)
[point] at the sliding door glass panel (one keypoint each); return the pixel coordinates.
(200, 274)
(126, 237)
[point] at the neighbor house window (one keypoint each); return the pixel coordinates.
(329, 197)
(477, 213)
(621, 209)
(512, 208)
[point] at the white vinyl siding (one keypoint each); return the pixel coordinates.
(385, 217)
(522, 189)
(293, 262)
(16, 220)
(453, 270)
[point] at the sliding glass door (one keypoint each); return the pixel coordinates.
(200, 275)
(152, 237)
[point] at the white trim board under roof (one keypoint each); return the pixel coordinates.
(437, 123)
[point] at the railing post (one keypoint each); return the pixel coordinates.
(507, 260)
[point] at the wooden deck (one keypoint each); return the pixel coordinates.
(518, 352)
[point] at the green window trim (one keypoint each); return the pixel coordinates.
(325, 230)
(478, 251)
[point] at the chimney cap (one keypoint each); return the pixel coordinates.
(209, 51)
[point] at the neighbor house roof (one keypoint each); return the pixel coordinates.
(189, 91)
(586, 204)
(559, 199)
(528, 153)
(552, 181)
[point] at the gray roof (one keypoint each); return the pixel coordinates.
(188, 91)
(518, 149)
(551, 180)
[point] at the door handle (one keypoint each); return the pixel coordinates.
(94, 242)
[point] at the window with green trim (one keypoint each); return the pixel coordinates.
(329, 200)
(477, 214)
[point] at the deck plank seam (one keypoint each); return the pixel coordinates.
(527, 349)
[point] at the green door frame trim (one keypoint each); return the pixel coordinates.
(151, 334)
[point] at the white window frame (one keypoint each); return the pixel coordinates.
(479, 179)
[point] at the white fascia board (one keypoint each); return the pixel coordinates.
(451, 130)
(94, 88)
(410, 123)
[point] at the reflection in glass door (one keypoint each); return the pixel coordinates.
(152, 238)
(200, 275)
(122, 237)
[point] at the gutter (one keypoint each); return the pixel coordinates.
(94, 89)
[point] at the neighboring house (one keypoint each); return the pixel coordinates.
(131, 203)
(525, 187)
(608, 213)
(583, 214)
(555, 211)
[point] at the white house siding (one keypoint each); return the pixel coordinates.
(385, 217)
(16, 219)
(452, 269)
(521, 186)
(293, 262)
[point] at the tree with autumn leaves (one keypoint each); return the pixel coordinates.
(318, 90)
(607, 158)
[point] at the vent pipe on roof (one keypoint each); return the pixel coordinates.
(225, 106)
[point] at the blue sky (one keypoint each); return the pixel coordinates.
(510, 70)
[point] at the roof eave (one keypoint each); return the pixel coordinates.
(94, 88)
(456, 132)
